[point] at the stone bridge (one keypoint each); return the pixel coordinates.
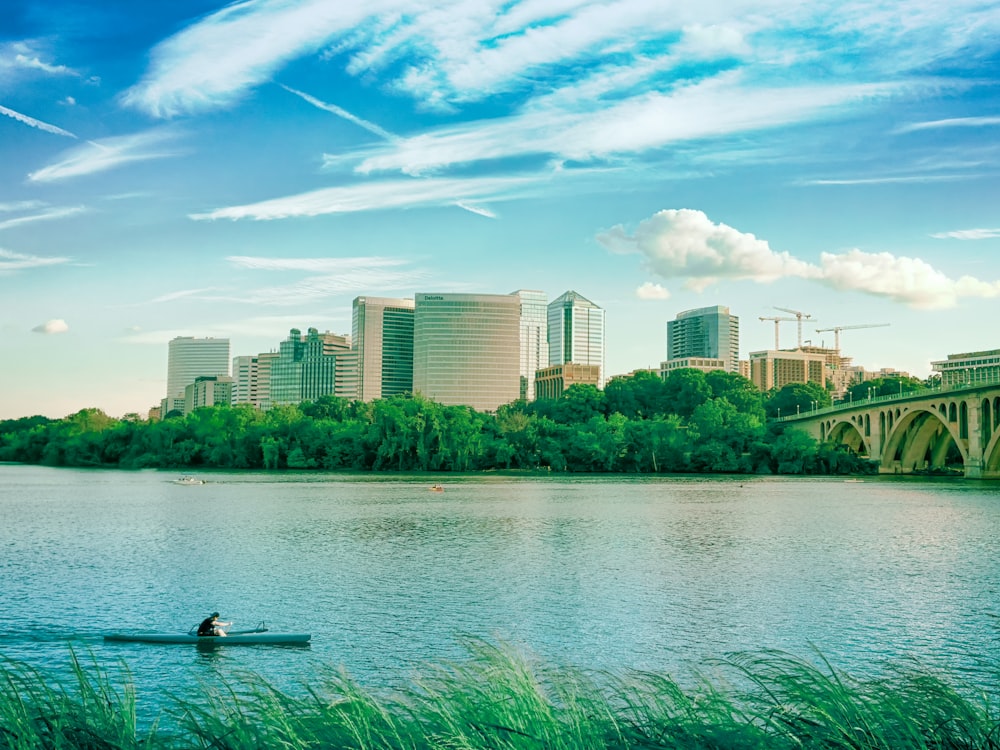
(931, 430)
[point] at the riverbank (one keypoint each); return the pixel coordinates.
(498, 697)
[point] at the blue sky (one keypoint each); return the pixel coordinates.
(190, 168)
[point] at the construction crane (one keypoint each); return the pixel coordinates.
(776, 322)
(837, 329)
(798, 317)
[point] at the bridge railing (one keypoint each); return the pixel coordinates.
(986, 379)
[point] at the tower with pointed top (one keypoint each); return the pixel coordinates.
(576, 332)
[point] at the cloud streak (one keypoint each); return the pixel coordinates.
(32, 122)
(109, 153)
(343, 113)
(49, 215)
(375, 196)
(686, 244)
(11, 262)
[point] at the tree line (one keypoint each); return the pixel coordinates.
(690, 421)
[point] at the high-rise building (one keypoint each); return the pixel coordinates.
(466, 349)
(706, 333)
(777, 368)
(306, 366)
(534, 338)
(245, 380)
(208, 390)
(265, 361)
(189, 358)
(576, 332)
(382, 336)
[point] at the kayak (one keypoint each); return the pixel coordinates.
(233, 639)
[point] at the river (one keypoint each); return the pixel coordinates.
(602, 572)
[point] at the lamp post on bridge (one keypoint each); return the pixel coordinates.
(870, 393)
(815, 404)
(797, 409)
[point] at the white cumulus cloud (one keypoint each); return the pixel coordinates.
(649, 290)
(685, 244)
(56, 325)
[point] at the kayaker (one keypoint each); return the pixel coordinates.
(211, 625)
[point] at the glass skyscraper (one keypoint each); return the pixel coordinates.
(576, 332)
(306, 366)
(382, 332)
(466, 349)
(534, 338)
(709, 332)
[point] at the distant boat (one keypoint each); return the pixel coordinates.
(437, 488)
(189, 480)
(854, 480)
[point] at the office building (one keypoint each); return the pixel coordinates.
(969, 368)
(466, 349)
(705, 364)
(534, 338)
(208, 390)
(245, 380)
(382, 336)
(705, 333)
(551, 382)
(189, 358)
(776, 368)
(576, 332)
(306, 366)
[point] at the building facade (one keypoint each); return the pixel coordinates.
(382, 336)
(534, 338)
(551, 382)
(466, 349)
(245, 380)
(208, 390)
(969, 368)
(705, 364)
(776, 368)
(576, 332)
(189, 358)
(306, 366)
(705, 333)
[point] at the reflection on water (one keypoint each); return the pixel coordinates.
(600, 572)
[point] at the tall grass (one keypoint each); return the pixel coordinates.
(500, 698)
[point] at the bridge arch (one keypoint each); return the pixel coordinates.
(922, 439)
(846, 432)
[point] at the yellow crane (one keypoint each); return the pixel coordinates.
(799, 315)
(837, 329)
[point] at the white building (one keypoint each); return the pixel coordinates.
(189, 358)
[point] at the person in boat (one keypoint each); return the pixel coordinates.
(212, 625)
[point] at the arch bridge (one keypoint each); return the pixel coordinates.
(927, 431)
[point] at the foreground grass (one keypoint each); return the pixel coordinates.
(499, 698)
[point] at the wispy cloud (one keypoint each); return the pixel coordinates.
(377, 195)
(17, 206)
(108, 153)
(182, 294)
(49, 327)
(33, 62)
(341, 112)
(478, 210)
(714, 107)
(32, 122)
(686, 244)
(10, 262)
(48, 215)
(891, 180)
(214, 61)
(324, 278)
(968, 234)
(952, 122)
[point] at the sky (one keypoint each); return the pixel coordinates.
(197, 169)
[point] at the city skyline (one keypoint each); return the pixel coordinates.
(233, 171)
